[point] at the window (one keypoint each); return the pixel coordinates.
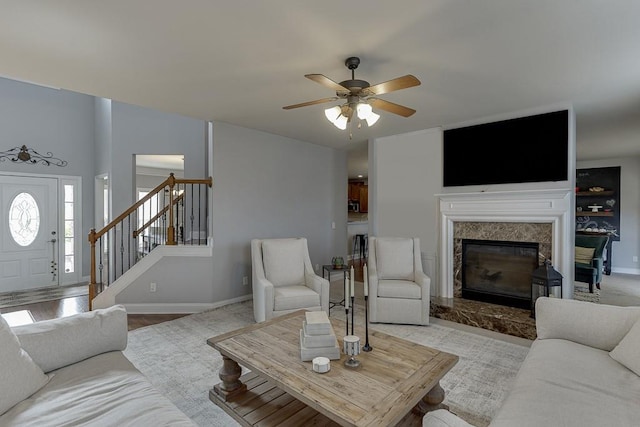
(69, 227)
(24, 219)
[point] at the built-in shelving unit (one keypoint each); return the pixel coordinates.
(606, 221)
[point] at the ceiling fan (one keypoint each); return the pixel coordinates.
(360, 97)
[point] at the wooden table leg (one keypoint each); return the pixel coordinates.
(230, 376)
(432, 400)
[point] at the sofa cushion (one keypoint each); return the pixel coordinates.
(394, 258)
(283, 261)
(562, 383)
(105, 390)
(398, 289)
(20, 377)
(584, 255)
(565, 319)
(55, 343)
(627, 352)
(294, 297)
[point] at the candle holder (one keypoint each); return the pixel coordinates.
(366, 347)
(352, 313)
(346, 312)
(351, 345)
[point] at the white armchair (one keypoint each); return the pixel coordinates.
(399, 291)
(284, 280)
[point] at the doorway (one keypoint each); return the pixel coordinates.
(29, 252)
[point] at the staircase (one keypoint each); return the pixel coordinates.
(173, 214)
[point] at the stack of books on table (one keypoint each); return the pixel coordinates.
(317, 337)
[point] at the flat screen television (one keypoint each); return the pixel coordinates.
(524, 149)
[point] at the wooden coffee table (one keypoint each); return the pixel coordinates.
(397, 382)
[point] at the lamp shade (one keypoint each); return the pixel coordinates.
(332, 113)
(341, 122)
(365, 112)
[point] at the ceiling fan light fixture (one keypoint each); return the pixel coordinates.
(341, 122)
(333, 113)
(365, 112)
(372, 119)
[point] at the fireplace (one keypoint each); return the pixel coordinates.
(498, 272)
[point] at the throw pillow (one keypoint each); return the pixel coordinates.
(20, 377)
(627, 351)
(283, 261)
(584, 255)
(394, 258)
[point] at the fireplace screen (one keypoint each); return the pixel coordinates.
(498, 272)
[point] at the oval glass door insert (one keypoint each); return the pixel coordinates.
(24, 219)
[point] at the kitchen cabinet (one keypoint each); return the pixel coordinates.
(359, 192)
(364, 199)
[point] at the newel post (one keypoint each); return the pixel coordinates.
(92, 279)
(171, 232)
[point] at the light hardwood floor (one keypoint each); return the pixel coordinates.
(69, 306)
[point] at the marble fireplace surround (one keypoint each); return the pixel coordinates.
(541, 207)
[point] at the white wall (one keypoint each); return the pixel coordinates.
(268, 186)
(56, 121)
(624, 250)
(405, 177)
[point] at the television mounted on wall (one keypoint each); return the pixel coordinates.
(520, 150)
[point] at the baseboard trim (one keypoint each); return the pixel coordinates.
(623, 270)
(179, 308)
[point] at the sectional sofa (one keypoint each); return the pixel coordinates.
(72, 372)
(582, 370)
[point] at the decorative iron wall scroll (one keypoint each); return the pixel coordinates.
(28, 155)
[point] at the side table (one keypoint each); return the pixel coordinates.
(329, 268)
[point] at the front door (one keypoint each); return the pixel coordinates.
(28, 233)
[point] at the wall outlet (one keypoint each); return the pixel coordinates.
(245, 280)
(635, 259)
(152, 287)
(333, 225)
(317, 268)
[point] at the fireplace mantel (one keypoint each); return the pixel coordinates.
(533, 206)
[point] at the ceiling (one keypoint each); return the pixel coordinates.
(173, 162)
(240, 61)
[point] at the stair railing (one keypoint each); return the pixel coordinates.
(175, 212)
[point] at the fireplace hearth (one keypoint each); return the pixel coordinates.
(498, 272)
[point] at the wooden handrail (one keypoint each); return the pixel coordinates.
(98, 234)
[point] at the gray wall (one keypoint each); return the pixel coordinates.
(624, 250)
(137, 130)
(178, 280)
(268, 186)
(407, 176)
(56, 121)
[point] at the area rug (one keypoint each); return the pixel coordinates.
(178, 362)
(581, 293)
(12, 299)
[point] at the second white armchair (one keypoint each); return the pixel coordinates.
(399, 291)
(284, 280)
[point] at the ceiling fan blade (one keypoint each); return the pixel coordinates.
(327, 82)
(393, 85)
(391, 107)
(304, 104)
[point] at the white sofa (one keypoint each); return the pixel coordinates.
(582, 370)
(71, 372)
